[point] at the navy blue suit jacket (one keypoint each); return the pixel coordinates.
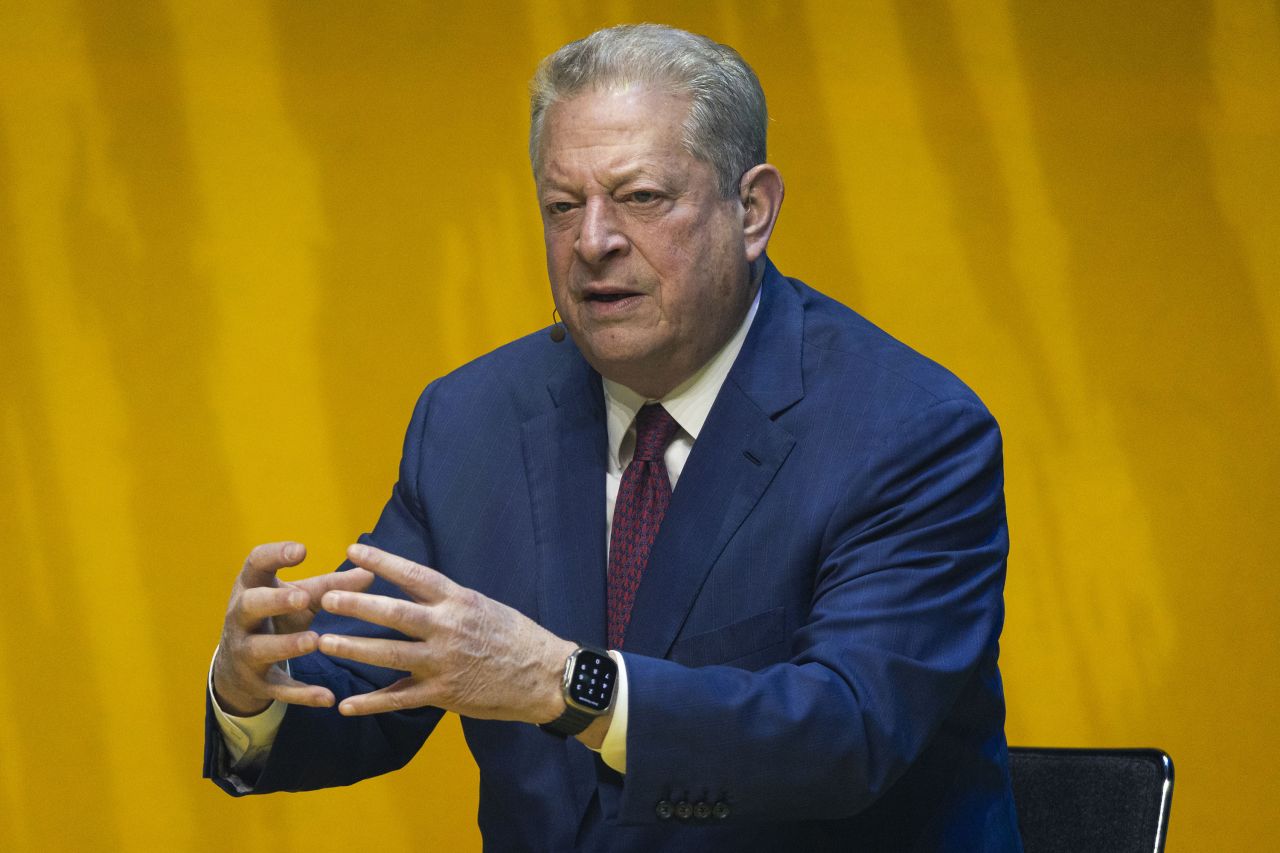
(814, 642)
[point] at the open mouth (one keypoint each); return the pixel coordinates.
(607, 297)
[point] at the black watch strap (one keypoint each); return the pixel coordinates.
(568, 724)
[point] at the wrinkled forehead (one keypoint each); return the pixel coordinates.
(613, 125)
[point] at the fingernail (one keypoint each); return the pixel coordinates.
(291, 551)
(297, 599)
(331, 600)
(357, 551)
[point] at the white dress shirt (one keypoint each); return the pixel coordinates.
(249, 739)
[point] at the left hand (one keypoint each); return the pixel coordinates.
(467, 653)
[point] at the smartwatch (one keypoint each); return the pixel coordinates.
(590, 678)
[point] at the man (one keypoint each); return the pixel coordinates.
(794, 649)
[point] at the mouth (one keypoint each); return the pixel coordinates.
(608, 297)
(611, 305)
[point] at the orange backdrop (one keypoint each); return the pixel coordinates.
(236, 239)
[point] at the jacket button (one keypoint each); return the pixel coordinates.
(720, 810)
(683, 809)
(701, 811)
(663, 809)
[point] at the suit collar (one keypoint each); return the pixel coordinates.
(769, 368)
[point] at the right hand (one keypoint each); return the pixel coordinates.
(268, 622)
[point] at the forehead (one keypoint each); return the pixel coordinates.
(613, 131)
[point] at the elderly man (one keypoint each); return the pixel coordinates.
(722, 571)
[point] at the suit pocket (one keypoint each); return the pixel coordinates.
(749, 643)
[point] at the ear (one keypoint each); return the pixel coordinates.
(760, 192)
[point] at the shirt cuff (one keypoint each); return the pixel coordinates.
(248, 739)
(613, 751)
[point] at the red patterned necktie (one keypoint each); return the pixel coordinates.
(642, 501)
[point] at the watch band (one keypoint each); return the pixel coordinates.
(570, 723)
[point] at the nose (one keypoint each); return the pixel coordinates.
(599, 236)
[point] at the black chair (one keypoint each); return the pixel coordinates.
(1092, 800)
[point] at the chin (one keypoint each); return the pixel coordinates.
(617, 347)
(623, 365)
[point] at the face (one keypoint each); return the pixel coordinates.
(647, 261)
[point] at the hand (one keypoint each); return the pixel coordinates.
(267, 622)
(467, 653)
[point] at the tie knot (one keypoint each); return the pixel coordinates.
(654, 431)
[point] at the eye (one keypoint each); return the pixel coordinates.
(643, 196)
(559, 208)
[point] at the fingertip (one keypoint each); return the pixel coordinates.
(294, 552)
(297, 599)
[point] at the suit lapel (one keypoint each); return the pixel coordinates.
(565, 456)
(735, 458)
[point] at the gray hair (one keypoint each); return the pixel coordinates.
(727, 122)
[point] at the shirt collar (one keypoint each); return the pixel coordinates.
(688, 403)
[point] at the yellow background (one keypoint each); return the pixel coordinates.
(237, 238)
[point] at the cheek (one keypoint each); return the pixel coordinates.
(558, 254)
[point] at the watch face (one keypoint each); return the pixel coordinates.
(593, 678)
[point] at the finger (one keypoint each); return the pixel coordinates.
(313, 589)
(286, 689)
(260, 602)
(353, 580)
(263, 561)
(404, 694)
(419, 581)
(407, 617)
(393, 654)
(260, 650)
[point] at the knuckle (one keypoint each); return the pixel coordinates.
(253, 655)
(257, 556)
(415, 574)
(405, 613)
(400, 700)
(398, 657)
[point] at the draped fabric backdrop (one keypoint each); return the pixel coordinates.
(236, 239)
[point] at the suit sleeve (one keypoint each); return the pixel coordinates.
(318, 747)
(905, 616)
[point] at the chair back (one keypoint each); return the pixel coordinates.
(1096, 800)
